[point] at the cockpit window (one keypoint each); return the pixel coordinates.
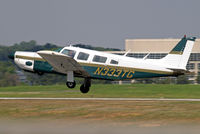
(113, 62)
(82, 56)
(69, 53)
(100, 59)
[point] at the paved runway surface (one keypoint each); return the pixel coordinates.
(103, 99)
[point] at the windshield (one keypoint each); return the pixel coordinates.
(69, 53)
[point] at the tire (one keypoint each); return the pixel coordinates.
(84, 89)
(71, 84)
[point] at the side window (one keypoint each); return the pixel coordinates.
(82, 56)
(100, 59)
(69, 53)
(113, 62)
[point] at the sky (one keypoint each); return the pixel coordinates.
(105, 23)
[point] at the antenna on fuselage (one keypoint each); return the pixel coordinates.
(127, 53)
(144, 58)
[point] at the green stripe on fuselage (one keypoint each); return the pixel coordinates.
(42, 66)
(118, 74)
(103, 72)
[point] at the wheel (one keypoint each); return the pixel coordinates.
(71, 84)
(84, 89)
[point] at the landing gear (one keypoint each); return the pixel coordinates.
(85, 87)
(70, 79)
(71, 84)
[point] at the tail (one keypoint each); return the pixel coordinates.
(179, 55)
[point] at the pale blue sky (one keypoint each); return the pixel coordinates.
(104, 23)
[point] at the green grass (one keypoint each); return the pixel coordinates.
(121, 112)
(105, 90)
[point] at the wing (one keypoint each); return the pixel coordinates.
(62, 63)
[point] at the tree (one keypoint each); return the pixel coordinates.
(7, 74)
(96, 48)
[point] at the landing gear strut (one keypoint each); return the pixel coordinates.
(70, 79)
(85, 87)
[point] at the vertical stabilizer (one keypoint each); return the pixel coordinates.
(179, 55)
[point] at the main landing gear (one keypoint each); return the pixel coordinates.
(85, 87)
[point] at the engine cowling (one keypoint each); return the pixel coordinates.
(25, 60)
(31, 61)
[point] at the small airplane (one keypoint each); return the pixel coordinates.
(90, 64)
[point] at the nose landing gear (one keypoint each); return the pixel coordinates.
(71, 84)
(70, 79)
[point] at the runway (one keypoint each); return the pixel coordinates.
(102, 99)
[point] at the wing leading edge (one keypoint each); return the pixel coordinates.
(62, 63)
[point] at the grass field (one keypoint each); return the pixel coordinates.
(122, 113)
(100, 90)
